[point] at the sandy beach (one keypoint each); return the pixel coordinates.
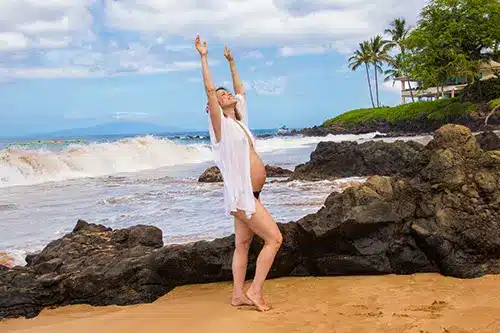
(423, 303)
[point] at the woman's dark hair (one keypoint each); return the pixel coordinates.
(236, 112)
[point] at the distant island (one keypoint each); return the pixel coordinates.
(111, 128)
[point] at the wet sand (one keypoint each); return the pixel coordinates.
(423, 303)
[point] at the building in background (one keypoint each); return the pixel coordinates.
(453, 87)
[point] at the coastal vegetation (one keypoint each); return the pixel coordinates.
(468, 108)
(452, 39)
(449, 44)
(438, 110)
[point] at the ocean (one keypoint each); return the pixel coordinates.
(120, 181)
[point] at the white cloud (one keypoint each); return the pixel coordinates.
(288, 51)
(43, 72)
(60, 25)
(49, 19)
(29, 29)
(259, 67)
(248, 86)
(54, 38)
(274, 86)
(255, 54)
(392, 87)
(50, 43)
(338, 46)
(130, 115)
(261, 22)
(61, 37)
(82, 72)
(178, 47)
(13, 41)
(229, 85)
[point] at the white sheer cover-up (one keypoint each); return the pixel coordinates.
(232, 156)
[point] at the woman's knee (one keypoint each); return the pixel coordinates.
(279, 238)
(275, 239)
(243, 242)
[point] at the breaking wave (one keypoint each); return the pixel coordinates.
(23, 166)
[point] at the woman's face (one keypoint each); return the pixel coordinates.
(225, 98)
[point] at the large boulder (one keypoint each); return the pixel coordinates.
(213, 174)
(459, 226)
(277, 172)
(331, 160)
(445, 219)
(204, 261)
(488, 140)
(367, 230)
(315, 131)
(99, 266)
(92, 264)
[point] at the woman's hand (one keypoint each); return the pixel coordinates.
(201, 48)
(227, 53)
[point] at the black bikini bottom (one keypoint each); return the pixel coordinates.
(256, 194)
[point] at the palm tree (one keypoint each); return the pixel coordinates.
(362, 56)
(379, 53)
(398, 32)
(395, 70)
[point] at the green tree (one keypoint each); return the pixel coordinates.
(453, 38)
(395, 69)
(399, 32)
(495, 51)
(379, 53)
(362, 56)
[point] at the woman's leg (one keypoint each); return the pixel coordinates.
(243, 239)
(263, 225)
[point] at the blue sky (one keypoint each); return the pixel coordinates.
(78, 63)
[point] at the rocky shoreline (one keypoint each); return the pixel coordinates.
(333, 160)
(414, 127)
(441, 216)
(387, 130)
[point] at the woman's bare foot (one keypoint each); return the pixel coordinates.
(241, 300)
(258, 300)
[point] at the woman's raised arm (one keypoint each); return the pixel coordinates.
(213, 103)
(237, 83)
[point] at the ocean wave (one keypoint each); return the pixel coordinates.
(23, 166)
(17, 257)
(278, 143)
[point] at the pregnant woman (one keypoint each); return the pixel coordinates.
(244, 176)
